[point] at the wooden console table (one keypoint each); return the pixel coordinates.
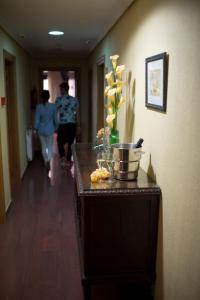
(117, 224)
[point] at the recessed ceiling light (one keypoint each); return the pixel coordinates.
(56, 32)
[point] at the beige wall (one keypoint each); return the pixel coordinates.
(171, 139)
(23, 100)
(68, 63)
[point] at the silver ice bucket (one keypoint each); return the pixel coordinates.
(126, 161)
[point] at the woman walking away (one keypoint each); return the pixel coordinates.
(45, 125)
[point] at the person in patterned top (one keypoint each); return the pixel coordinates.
(69, 123)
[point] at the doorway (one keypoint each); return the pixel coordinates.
(51, 78)
(12, 120)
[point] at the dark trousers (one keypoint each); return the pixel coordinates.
(66, 135)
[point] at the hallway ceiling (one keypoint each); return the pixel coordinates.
(84, 22)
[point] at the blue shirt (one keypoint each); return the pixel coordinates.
(67, 106)
(46, 118)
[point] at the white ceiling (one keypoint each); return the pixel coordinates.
(84, 22)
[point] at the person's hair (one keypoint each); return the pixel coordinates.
(65, 86)
(45, 96)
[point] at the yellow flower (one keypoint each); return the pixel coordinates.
(121, 101)
(109, 78)
(111, 94)
(110, 109)
(120, 83)
(114, 59)
(107, 106)
(118, 89)
(119, 70)
(110, 119)
(106, 90)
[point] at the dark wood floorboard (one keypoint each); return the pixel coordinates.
(38, 249)
(38, 246)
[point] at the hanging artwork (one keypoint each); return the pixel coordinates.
(156, 81)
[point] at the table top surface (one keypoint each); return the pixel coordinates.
(85, 163)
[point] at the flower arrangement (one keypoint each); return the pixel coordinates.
(102, 138)
(113, 93)
(109, 134)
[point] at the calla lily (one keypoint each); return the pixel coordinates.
(114, 59)
(118, 90)
(111, 94)
(120, 83)
(110, 110)
(108, 75)
(106, 90)
(109, 78)
(110, 119)
(121, 101)
(113, 91)
(107, 106)
(119, 70)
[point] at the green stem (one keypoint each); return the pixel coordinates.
(115, 106)
(115, 121)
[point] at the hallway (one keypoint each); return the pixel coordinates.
(38, 254)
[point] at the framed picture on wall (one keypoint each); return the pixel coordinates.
(156, 81)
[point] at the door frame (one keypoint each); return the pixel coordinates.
(90, 103)
(12, 122)
(2, 195)
(100, 120)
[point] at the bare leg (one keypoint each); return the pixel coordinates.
(44, 147)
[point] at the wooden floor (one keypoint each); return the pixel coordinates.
(38, 247)
(38, 250)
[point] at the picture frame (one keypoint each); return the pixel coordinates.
(156, 82)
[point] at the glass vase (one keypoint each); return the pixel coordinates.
(114, 136)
